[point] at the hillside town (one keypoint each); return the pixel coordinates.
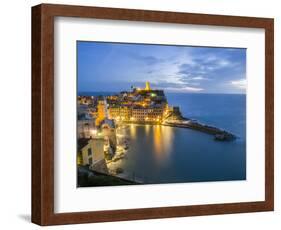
(101, 120)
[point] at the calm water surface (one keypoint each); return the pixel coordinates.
(161, 154)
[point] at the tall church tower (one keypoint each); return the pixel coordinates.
(147, 86)
(102, 111)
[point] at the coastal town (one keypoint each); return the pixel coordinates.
(102, 142)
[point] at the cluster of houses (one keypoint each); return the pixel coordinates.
(98, 116)
(96, 139)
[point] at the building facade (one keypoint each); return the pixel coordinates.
(91, 152)
(101, 111)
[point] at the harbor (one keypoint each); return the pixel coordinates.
(125, 131)
(160, 113)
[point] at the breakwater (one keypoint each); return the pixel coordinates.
(219, 134)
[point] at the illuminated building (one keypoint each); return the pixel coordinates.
(85, 100)
(147, 114)
(85, 122)
(125, 113)
(85, 127)
(109, 133)
(147, 86)
(114, 112)
(102, 111)
(139, 105)
(120, 113)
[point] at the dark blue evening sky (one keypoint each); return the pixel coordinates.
(113, 67)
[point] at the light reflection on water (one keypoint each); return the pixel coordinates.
(159, 137)
(133, 131)
(163, 154)
(162, 142)
(147, 129)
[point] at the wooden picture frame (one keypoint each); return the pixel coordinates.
(43, 113)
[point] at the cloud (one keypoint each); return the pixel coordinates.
(114, 66)
(241, 84)
(206, 62)
(185, 89)
(199, 78)
(196, 71)
(181, 87)
(146, 59)
(212, 63)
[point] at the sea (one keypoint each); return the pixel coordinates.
(162, 154)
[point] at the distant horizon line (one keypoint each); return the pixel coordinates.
(81, 92)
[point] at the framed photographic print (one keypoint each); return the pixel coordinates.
(146, 114)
